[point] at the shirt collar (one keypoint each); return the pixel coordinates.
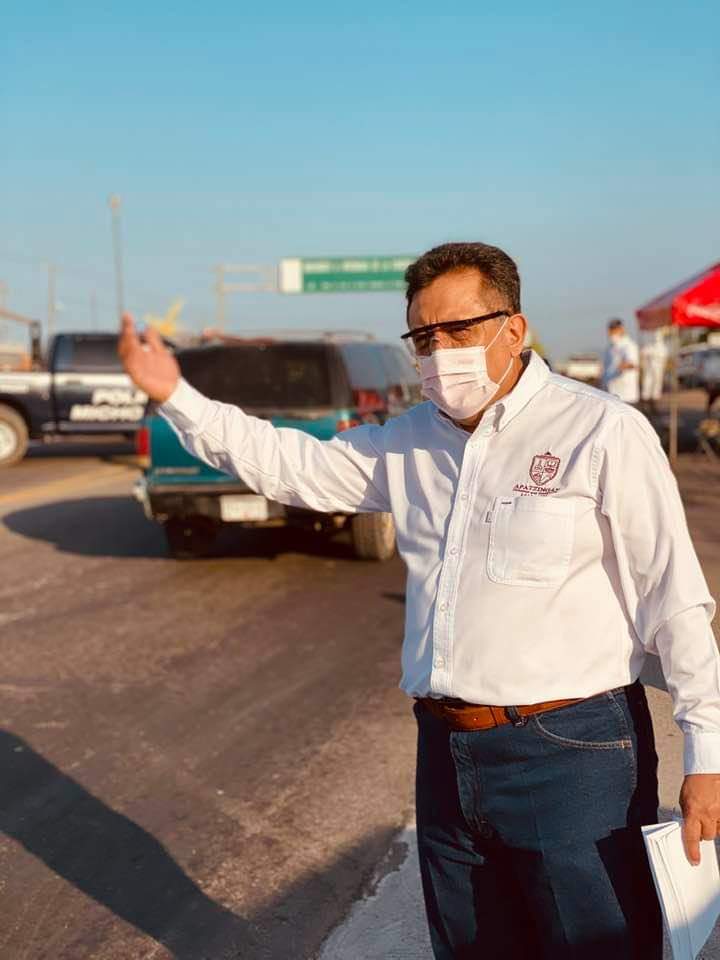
(532, 380)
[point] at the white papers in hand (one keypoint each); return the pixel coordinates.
(689, 896)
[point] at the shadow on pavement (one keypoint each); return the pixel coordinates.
(116, 527)
(106, 855)
(120, 865)
(96, 527)
(273, 542)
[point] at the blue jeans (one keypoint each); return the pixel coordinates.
(529, 836)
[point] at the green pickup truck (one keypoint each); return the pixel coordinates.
(321, 383)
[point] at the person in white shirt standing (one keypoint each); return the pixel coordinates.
(653, 360)
(621, 364)
(547, 555)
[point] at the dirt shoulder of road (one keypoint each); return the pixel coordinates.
(698, 477)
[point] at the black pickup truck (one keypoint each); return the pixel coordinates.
(80, 390)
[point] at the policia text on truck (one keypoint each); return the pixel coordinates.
(81, 390)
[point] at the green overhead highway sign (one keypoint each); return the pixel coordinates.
(342, 274)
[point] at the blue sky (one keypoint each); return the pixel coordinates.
(583, 139)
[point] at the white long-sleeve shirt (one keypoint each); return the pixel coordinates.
(547, 552)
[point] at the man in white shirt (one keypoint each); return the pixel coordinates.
(547, 554)
(621, 367)
(653, 360)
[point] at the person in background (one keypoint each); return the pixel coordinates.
(621, 369)
(653, 359)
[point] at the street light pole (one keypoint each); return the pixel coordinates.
(93, 310)
(3, 294)
(220, 294)
(674, 399)
(52, 303)
(115, 203)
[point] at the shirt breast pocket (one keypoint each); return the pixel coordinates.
(531, 541)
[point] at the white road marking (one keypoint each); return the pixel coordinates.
(390, 923)
(88, 478)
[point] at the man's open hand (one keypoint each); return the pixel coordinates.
(700, 804)
(149, 364)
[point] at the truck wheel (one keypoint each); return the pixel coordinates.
(13, 436)
(189, 537)
(373, 536)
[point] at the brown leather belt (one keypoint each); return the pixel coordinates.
(474, 716)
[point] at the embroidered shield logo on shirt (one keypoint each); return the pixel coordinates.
(544, 467)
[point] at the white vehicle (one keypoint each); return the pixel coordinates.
(586, 367)
(689, 364)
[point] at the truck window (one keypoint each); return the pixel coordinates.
(399, 366)
(275, 375)
(89, 354)
(405, 361)
(365, 366)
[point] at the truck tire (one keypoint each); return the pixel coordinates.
(13, 436)
(373, 536)
(189, 537)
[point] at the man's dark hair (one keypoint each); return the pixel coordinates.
(615, 323)
(499, 271)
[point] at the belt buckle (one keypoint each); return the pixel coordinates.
(514, 716)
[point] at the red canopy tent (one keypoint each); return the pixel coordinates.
(694, 303)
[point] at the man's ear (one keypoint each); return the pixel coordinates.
(516, 330)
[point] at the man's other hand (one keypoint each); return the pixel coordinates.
(700, 804)
(149, 364)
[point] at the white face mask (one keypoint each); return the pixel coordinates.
(457, 381)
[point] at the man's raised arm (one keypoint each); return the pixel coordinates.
(346, 474)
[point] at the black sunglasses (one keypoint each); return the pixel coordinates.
(452, 325)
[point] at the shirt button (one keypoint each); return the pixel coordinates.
(439, 662)
(453, 550)
(463, 496)
(443, 605)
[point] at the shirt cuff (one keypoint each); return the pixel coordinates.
(185, 407)
(702, 752)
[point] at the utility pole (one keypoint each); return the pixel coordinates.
(220, 294)
(674, 399)
(115, 203)
(3, 295)
(93, 310)
(52, 302)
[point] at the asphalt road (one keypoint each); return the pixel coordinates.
(199, 760)
(207, 759)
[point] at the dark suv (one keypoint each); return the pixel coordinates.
(321, 383)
